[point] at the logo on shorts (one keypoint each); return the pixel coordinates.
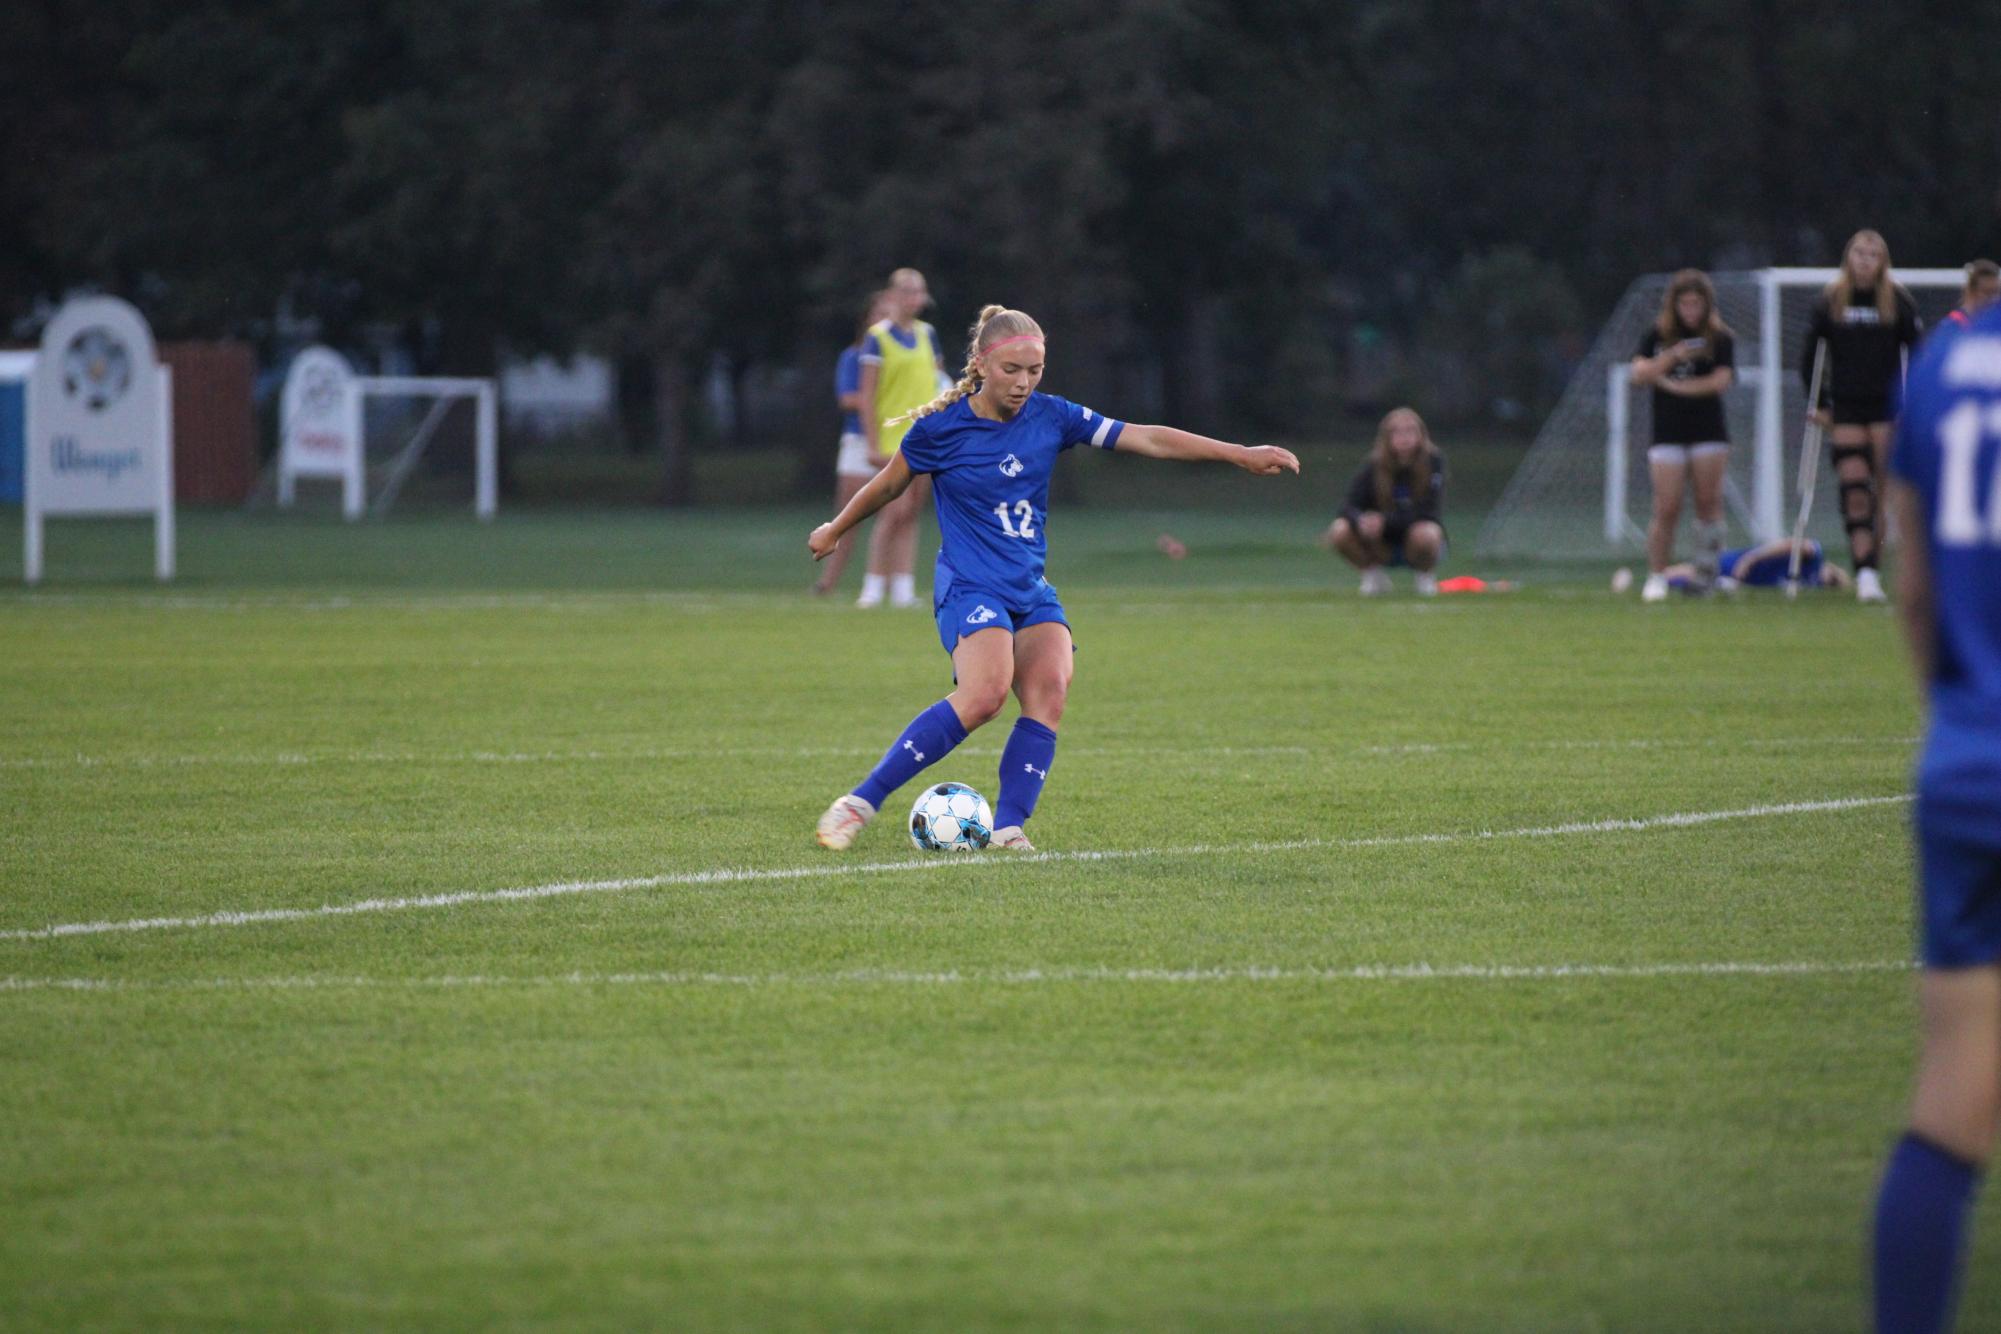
(981, 615)
(1011, 466)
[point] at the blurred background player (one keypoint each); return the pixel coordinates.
(1689, 358)
(851, 470)
(1394, 509)
(1983, 287)
(1946, 495)
(901, 368)
(1763, 566)
(992, 442)
(1870, 324)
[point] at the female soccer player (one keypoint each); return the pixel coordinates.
(851, 470)
(990, 443)
(1766, 565)
(1394, 504)
(1688, 355)
(901, 370)
(1946, 494)
(1869, 324)
(1983, 289)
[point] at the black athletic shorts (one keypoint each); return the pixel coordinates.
(1396, 530)
(1862, 411)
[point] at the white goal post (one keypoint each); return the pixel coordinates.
(1581, 490)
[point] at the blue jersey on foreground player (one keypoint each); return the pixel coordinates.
(1946, 496)
(990, 444)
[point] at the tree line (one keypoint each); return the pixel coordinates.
(1211, 205)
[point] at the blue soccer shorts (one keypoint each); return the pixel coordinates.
(1959, 897)
(965, 609)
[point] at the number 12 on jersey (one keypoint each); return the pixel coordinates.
(1024, 519)
(1959, 435)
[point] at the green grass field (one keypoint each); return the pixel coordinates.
(418, 926)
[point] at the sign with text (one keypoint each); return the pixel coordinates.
(99, 425)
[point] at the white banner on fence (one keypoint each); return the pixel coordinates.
(100, 428)
(320, 435)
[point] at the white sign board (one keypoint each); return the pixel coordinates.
(100, 430)
(320, 412)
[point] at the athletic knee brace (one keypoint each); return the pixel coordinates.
(1857, 495)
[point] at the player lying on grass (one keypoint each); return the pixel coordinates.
(1762, 566)
(1394, 504)
(1946, 496)
(989, 444)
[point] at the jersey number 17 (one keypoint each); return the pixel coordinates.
(1959, 436)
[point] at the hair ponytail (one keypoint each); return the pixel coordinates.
(994, 324)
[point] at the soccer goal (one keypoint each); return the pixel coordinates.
(1581, 491)
(354, 428)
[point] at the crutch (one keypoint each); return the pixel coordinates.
(1809, 470)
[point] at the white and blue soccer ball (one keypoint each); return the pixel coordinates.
(951, 817)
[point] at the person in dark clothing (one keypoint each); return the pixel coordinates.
(1688, 355)
(1869, 325)
(1394, 507)
(1983, 289)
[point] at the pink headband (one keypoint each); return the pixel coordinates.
(1018, 338)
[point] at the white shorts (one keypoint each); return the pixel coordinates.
(1679, 455)
(854, 456)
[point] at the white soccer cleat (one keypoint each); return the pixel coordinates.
(1655, 589)
(904, 603)
(869, 598)
(846, 818)
(1375, 581)
(1012, 839)
(1869, 587)
(1426, 585)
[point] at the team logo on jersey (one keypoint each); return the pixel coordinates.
(96, 369)
(1011, 466)
(981, 615)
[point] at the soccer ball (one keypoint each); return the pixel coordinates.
(951, 817)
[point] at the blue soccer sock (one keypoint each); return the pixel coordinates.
(929, 738)
(1024, 768)
(1920, 1235)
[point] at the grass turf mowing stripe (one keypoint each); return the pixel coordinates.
(881, 977)
(292, 759)
(253, 916)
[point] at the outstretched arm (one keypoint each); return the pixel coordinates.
(885, 486)
(1164, 442)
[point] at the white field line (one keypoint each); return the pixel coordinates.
(962, 866)
(296, 759)
(1010, 977)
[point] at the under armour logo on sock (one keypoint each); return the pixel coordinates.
(915, 753)
(1043, 774)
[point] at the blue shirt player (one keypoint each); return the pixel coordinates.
(989, 444)
(1946, 495)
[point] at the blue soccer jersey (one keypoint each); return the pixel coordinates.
(1949, 449)
(1771, 571)
(991, 483)
(848, 380)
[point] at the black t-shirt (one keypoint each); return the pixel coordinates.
(1865, 355)
(1410, 498)
(1690, 421)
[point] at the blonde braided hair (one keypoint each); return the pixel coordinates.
(994, 324)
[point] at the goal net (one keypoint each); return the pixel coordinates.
(1581, 491)
(371, 433)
